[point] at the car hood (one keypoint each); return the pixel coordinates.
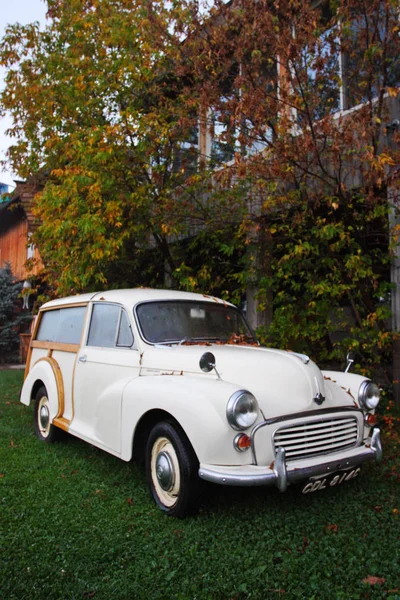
(283, 382)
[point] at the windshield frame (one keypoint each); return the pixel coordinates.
(193, 340)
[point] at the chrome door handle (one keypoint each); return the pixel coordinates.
(83, 358)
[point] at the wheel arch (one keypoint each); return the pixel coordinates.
(144, 426)
(45, 373)
(36, 386)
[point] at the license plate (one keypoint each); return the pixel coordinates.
(315, 484)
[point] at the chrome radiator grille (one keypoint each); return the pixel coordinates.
(312, 438)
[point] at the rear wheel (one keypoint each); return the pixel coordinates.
(44, 430)
(171, 469)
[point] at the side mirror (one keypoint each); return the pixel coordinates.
(207, 362)
(351, 357)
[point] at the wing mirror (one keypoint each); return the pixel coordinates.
(351, 357)
(208, 363)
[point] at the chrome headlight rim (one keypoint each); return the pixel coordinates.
(232, 410)
(368, 403)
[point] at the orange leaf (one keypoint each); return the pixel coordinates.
(372, 580)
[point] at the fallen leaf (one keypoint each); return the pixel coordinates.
(372, 580)
(178, 532)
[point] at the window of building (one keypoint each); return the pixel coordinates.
(370, 56)
(186, 153)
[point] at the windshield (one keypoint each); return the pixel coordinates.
(192, 322)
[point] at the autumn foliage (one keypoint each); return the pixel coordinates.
(290, 197)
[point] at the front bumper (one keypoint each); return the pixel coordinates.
(282, 473)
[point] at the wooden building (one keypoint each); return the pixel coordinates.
(16, 226)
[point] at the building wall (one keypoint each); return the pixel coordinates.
(13, 249)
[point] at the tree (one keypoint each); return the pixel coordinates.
(304, 96)
(97, 111)
(10, 318)
(291, 191)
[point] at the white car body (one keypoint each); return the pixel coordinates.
(113, 396)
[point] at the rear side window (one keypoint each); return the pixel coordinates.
(63, 325)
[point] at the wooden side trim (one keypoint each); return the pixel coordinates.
(29, 357)
(61, 423)
(59, 383)
(55, 346)
(67, 305)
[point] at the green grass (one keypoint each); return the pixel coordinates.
(78, 523)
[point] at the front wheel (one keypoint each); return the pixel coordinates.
(45, 431)
(171, 469)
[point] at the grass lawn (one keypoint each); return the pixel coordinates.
(78, 523)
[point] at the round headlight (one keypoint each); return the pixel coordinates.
(241, 410)
(368, 395)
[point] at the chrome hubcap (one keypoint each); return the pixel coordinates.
(44, 416)
(165, 471)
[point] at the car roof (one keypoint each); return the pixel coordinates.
(131, 297)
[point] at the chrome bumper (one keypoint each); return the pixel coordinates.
(282, 474)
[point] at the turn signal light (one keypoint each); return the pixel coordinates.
(371, 420)
(241, 442)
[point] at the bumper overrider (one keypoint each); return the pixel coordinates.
(282, 473)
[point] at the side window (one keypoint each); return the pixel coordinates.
(103, 325)
(63, 325)
(109, 327)
(48, 326)
(125, 336)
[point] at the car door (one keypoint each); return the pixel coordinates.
(106, 362)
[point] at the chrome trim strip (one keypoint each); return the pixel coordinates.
(280, 470)
(299, 415)
(283, 477)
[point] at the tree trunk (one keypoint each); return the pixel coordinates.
(393, 199)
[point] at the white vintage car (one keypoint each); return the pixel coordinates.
(179, 380)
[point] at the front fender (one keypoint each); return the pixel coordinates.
(348, 381)
(47, 371)
(197, 404)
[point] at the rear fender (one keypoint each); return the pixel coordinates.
(48, 372)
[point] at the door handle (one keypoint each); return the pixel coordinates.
(83, 358)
